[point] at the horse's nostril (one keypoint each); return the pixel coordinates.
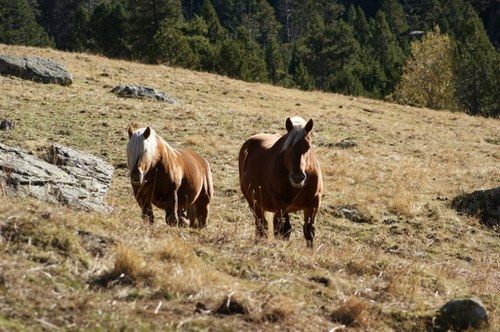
(136, 177)
(297, 179)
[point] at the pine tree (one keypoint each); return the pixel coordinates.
(58, 18)
(146, 16)
(242, 58)
(18, 24)
(328, 51)
(171, 47)
(398, 23)
(387, 51)
(262, 22)
(477, 67)
(108, 25)
(276, 64)
(300, 75)
(216, 33)
(81, 35)
(357, 19)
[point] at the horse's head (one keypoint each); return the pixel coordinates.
(141, 151)
(296, 149)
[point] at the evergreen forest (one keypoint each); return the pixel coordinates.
(429, 53)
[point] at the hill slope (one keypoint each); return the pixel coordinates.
(72, 270)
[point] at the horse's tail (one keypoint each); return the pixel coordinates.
(243, 158)
(209, 183)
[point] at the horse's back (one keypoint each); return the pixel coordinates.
(255, 162)
(256, 147)
(197, 169)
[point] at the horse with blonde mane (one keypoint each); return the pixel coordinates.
(179, 182)
(280, 174)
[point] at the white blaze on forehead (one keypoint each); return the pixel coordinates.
(138, 147)
(297, 132)
(298, 121)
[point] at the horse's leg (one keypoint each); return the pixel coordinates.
(282, 226)
(260, 222)
(287, 227)
(144, 201)
(183, 218)
(171, 210)
(200, 210)
(147, 213)
(309, 216)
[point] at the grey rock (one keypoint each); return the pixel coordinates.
(140, 92)
(344, 144)
(36, 69)
(350, 212)
(484, 204)
(462, 314)
(4, 125)
(72, 178)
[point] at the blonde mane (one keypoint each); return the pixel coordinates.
(296, 134)
(138, 148)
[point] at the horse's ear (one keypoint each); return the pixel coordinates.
(130, 131)
(147, 132)
(288, 124)
(309, 126)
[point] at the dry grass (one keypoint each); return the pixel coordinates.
(86, 271)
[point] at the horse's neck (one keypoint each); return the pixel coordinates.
(279, 145)
(167, 155)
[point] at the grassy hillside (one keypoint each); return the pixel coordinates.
(68, 270)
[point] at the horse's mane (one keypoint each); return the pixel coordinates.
(138, 147)
(296, 134)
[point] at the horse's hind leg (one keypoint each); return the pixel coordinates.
(197, 213)
(282, 225)
(183, 217)
(201, 212)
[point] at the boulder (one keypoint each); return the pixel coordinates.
(6, 125)
(36, 69)
(73, 178)
(140, 92)
(461, 315)
(484, 204)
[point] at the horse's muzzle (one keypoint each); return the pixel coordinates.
(298, 180)
(136, 178)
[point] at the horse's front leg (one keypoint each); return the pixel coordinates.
(171, 216)
(282, 225)
(309, 231)
(260, 222)
(143, 198)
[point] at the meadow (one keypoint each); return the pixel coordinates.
(62, 269)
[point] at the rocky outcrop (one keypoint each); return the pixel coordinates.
(36, 69)
(140, 92)
(73, 178)
(484, 204)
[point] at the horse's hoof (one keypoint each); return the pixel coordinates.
(184, 222)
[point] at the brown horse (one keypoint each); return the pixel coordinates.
(281, 174)
(178, 182)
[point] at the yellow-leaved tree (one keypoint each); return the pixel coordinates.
(428, 79)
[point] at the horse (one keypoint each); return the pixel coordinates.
(281, 174)
(179, 182)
